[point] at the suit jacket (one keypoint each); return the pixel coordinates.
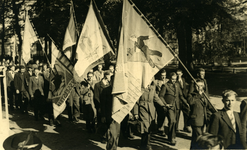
(20, 82)
(145, 106)
(183, 88)
(243, 118)
(192, 87)
(98, 88)
(221, 125)
(10, 80)
(199, 107)
(106, 101)
(171, 95)
(36, 84)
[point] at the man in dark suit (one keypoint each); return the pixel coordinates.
(104, 84)
(183, 87)
(171, 95)
(21, 87)
(226, 122)
(36, 90)
(200, 75)
(198, 115)
(10, 86)
(160, 112)
(145, 110)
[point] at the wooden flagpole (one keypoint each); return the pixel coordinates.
(163, 41)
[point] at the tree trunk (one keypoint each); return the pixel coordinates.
(17, 27)
(184, 35)
(3, 31)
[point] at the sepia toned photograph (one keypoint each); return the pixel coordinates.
(123, 74)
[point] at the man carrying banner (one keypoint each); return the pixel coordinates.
(141, 55)
(102, 94)
(145, 110)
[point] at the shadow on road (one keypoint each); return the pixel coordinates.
(68, 136)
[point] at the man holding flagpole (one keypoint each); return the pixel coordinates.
(141, 54)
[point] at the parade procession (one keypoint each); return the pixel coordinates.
(123, 74)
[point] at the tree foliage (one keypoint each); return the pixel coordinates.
(185, 18)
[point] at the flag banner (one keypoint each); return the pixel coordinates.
(54, 54)
(92, 44)
(61, 80)
(29, 38)
(141, 55)
(70, 35)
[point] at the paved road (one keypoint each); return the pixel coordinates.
(72, 136)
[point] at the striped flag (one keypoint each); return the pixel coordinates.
(61, 80)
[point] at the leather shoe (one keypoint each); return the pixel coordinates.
(162, 133)
(149, 148)
(173, 142)
(131, 136)
(103, 141)
(187, 129)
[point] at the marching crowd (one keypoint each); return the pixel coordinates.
(164, 98)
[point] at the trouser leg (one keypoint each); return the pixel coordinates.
(11, 100)
(124, 126)
(186, 117)
(178, 111)
(24, 102)
(160, 117)
(113, 136)
(144, 140)
(196, 132)
(172, 124)
(36, 109)
(18, 101)
(70, 107)
(76, 108)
